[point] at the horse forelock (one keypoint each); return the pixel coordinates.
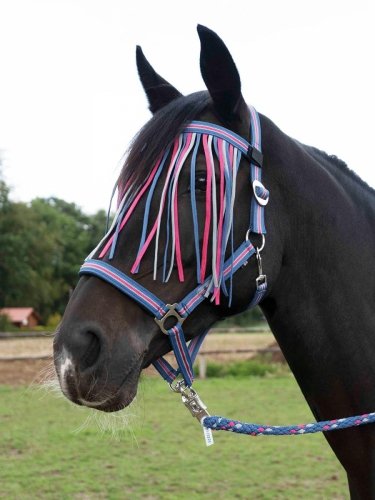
(159, 133)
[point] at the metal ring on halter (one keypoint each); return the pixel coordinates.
(247, 238)
(170, 313)
(263, 243)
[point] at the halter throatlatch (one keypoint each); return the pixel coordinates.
(214, 278)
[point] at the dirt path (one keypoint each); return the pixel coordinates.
(26, 371)
(25, 347)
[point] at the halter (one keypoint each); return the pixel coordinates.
(185, 353)
(229, 148)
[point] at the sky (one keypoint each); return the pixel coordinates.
(70, 99)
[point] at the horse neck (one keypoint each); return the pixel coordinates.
(321, 302)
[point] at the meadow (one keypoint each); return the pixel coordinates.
(50, 449)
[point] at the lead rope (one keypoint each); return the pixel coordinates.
(225, 424)
(198, 409)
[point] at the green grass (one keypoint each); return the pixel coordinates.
(257, 367)
(164, 456)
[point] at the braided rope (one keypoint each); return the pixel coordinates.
(224, 424)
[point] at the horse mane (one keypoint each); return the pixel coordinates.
(157, 134)
(341, 165)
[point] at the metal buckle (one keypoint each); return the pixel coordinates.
(170, 313)
(261, 280)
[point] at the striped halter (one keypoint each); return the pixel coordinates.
(228, 148)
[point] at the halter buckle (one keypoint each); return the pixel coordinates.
(262, 278)
(172, 312)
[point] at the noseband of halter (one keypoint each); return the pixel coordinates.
(229, 148)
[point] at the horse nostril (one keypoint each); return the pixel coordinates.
(88, 350)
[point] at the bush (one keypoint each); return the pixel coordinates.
(37, 328)
(245, 319)
(6, 325)
(248, 368)
(53, 321)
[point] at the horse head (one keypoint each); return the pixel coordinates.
(184, 216)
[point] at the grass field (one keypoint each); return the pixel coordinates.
(162, 454)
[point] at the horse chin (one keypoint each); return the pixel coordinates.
(120, 401)
(121, 398)
(100, 391)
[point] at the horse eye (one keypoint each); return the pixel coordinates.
(200, 181)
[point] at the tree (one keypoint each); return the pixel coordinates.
(42, 245)
(73, 235)
(25, 246)
(4, 189)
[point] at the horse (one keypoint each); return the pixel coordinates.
(185, 199)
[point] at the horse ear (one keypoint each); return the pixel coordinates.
(220, 73)
(158, 91)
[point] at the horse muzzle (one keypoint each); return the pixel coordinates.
(94, 373)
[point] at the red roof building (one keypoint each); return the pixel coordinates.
(21, 316)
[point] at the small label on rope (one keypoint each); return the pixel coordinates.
(208, 437)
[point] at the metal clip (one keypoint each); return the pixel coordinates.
(191, 400)
(177, 386)
(194, 403)
(262, 278)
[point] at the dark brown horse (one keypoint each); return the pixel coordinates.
(320, 249)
